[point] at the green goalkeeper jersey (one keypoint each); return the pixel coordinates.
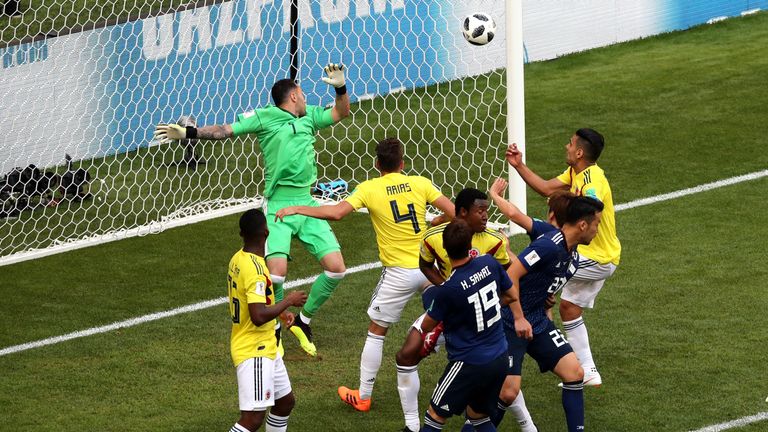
(287, 142)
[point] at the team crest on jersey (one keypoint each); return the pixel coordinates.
(267, 395)
(474, 253)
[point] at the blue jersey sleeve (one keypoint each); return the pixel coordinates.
(502, 278)
(538, 228)
(538, 253)
(428, 296)
(438, 307)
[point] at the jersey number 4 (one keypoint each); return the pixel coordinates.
(486, 298)
(410, 216)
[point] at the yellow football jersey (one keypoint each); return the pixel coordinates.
(605, 248)
(489, 242)
(398, 206)
(248, 281)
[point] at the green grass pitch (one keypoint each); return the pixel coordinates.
(678, 332)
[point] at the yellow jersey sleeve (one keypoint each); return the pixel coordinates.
(358, 197)
(431, 243)
(566, 177)
(431, 192)
(499, 250)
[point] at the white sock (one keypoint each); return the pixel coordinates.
(408, 387)
(304, 319)
(520, 411)
(238, 428)
(276, 423)
(370, 362)
(576, 333)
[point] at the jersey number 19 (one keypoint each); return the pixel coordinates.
(483, 300)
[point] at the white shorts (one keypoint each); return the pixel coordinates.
(396, 286)
(586, 283)
(261, 381)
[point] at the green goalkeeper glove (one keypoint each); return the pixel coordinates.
(165, 133)
(335, 77)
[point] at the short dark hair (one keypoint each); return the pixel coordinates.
(558, 204)
(252, 224)
(592, 142)
(582, 208)
(467, 197)
(389, 153)
(457, 239)
(282, 89)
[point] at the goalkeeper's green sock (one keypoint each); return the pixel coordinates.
(323, 287)
(277, 286)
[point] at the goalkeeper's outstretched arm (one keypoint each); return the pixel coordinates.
(165, 133)
(335, 77)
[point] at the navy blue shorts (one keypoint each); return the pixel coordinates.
(463, 384)
(547, 348)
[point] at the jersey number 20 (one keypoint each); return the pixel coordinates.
(486, 298)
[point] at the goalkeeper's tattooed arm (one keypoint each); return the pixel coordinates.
(165, 133)
(215, 132)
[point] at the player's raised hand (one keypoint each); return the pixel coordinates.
(498, 187)
(296, 298)
(523, 328)
(514, 156)
(335, 75)
(165, 133)
(283, 212)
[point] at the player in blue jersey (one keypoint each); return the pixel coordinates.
(541, 271)
(512, 398)
(557, 203)
(469, 306)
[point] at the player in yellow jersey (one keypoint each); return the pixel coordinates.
(472, 207)
(397, 204)
(262, 380)
(598, 260)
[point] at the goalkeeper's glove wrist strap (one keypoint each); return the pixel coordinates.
(191, 132)
(340, 91)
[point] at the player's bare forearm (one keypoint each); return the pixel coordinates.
(428, 323)
(431, 272)
(446, 206)
(513, 213)
(215, 132)
(542, 187)
(341, 109)
(262, 314)
(334, 212)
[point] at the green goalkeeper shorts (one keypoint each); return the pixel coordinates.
(315, 234)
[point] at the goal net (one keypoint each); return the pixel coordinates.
(82, 85)
(80, 105)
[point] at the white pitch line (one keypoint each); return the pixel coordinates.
(735, 423)
(159, 315)
(690, 191)
(300, 282)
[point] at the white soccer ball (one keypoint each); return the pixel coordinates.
(478, 28)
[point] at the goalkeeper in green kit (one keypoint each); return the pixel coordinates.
(286, 134)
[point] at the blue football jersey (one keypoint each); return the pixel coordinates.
(468, 305)
(549, 265)
(540, 227)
